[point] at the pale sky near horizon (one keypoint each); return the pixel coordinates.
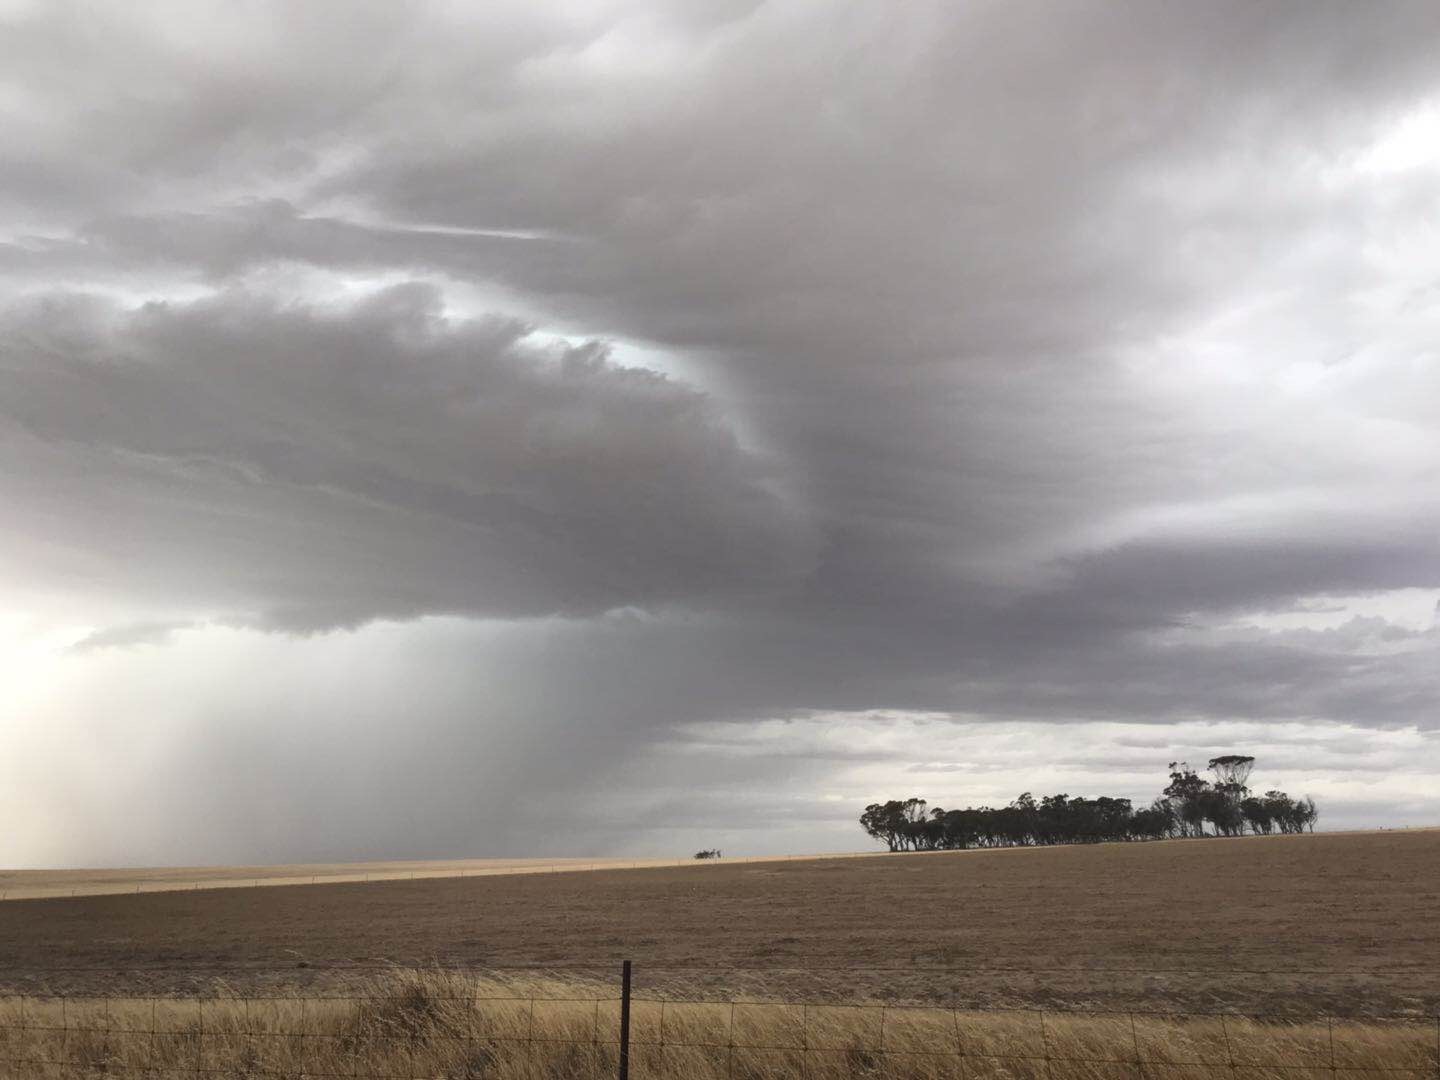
(619, 428)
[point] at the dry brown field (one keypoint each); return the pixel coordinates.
(1338, 922)
(108, 881)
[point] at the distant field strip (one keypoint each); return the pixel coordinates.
(427, 1024)
(1247, 917)
(50, 884)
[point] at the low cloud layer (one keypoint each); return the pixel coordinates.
(599, 376)
(309, 469)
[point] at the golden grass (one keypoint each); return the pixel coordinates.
(445, 1025)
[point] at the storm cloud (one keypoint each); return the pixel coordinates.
(407, 414)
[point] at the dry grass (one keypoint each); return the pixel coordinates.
(443, 1025)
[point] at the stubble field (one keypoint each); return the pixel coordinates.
(55, 884)
(1310, 956)
(1324, 922)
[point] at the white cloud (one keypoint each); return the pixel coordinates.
(1411, 142)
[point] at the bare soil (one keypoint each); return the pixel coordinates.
(1340, 923)
(45, 884)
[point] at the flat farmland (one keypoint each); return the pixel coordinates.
(1339, 921)
(47, 884)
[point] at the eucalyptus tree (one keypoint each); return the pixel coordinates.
(1188, 803)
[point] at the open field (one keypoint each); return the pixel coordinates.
(1340, 922)
(47, 884)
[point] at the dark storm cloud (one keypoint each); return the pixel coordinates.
(316, 468)
(1016, 356)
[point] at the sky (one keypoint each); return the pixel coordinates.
(564, 428)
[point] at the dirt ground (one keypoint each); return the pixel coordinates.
(44, 884)
(1339, 922)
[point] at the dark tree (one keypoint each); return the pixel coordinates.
(1232, 770)
(1186, 792)
(899, 824)
(1226, 807)
(1257, 816)
(1187, 805)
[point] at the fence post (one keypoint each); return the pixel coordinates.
(625, 1021)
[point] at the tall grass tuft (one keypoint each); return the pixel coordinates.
(410, 1025)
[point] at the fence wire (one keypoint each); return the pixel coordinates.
(434, 1025)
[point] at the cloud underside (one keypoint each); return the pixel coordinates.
(1023, 378)
(307, 469)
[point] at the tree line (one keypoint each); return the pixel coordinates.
(1185, 808)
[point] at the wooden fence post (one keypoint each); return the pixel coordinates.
(625, 1021)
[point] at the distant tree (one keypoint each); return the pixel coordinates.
(958, 828)
(1222, 810)
(708, 853)
(1309, 813)
(912, 824)
(1155, 822)
(1187, 805)
(1257, 816)
(1109, 819)
(876, 822)
(1232, 771)
(899, 824)
(1022, 820)
(1291, 815)
(1186, 792)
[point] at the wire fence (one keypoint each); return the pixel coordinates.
(432, 1024)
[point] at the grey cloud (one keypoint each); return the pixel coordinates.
(1036, 343)
(225, 241)
(309, 468)
(127, 636)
